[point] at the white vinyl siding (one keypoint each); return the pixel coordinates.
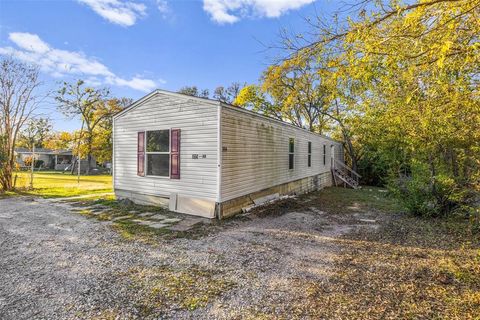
(256, 152)
(198, 123)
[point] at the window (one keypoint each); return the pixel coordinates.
(324, 154)
(158, 153)
(291, 153)
(309, 153)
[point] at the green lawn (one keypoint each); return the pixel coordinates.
(52, 184)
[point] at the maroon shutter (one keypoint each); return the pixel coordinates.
(141, 154)
(175, 154)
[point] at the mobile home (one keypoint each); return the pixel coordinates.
(58, 160)
(204, 157)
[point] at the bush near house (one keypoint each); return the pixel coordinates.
(28, 162)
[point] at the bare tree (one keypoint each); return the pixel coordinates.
(228, 94)
(194, 91)
(18, 99)
(35, 132)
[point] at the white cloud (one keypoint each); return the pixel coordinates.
(135, 83)
(124, 13)
(59, 63)
(163, 7)
(30, 42)
(231, 11)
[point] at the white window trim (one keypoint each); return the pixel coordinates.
(145, 164)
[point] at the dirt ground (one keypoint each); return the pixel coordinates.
(306, 258)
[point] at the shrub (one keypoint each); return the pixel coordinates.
(28, 162)
(424, 195)
(373, 169)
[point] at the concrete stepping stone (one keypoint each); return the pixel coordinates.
(152, 224)
(171, 220)
(158, 225)
(98, 212)
(145, 222)
(185, 224)
(158, 216)
(86, 208)
(120, 218)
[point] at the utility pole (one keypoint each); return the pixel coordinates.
(32, 166)
(79, 154)
(78, 172)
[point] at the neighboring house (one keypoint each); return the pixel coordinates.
(207, 158)
(52, 159)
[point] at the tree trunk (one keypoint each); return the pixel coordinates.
(89, 153)
(7, 170)
(433, 185)
(6, 178)
(350, 149)
(454, 162)
(74, 160)
(351, 153)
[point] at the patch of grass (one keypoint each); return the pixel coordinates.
(57, 184)
(133, 231)
(334, 200)
(409, 268)
(128, 229)
(277, 208)
(163, 288)
(343, 200)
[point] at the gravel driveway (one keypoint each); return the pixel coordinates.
(57, 264)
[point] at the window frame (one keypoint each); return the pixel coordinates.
(324, 154)
(309, 154)
(158, 152)
(291, 166)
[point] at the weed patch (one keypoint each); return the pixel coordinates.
(409, 268)
(165, 288)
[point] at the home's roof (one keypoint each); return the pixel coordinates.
(214, 102)
(44, 151)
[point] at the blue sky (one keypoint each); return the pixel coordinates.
(135, 46)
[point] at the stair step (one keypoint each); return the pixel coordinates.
(347, 179)
(345, 174)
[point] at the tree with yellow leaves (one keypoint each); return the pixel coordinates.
(403, 82)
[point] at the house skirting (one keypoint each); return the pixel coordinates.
(143, 199)
(234, 206)
(210, 209)
(175, 202)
